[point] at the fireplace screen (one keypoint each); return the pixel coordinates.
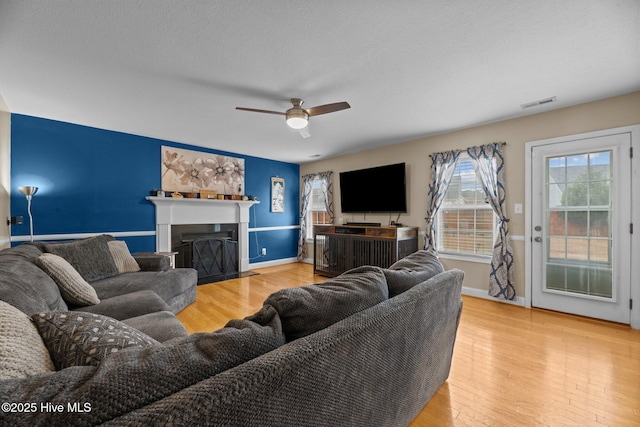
(212, 249)
(215, 259)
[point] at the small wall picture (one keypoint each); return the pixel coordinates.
(277, 194)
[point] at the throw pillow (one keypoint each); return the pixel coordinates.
(308, 309)
(411, 270)
(22, 352)
(125, 262)
(76, 338)
(74, 289)
(91, 256)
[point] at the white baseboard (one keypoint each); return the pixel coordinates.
(481, 293)
(272, 263)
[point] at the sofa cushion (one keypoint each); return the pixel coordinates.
(22, 352)
(74, 289)
(122, 257)
(160, 325)
(411, 270)
(307, 309)
(129, 305)
(167, 284)
(29, 251)
(152, 261)
(25, 286)
(78, 338)
(91, 256)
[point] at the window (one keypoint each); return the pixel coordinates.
(317, 212)
(465, 223)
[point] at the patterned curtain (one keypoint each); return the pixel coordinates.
(488, 163)
(442, 167)
(326, 187)
(307, 184)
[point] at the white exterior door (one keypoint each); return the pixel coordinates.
(580, 201)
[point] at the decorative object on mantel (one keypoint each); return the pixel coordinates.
(208, 194)
(277, 194)
(177, 195)
(186, 170)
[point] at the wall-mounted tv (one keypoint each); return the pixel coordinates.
(380, 189)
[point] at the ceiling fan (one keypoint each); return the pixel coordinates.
(298, 117)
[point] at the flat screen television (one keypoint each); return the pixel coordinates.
(380, 189)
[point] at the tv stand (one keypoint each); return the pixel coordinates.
(338, 248)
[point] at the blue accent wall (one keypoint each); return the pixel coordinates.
(94, 180)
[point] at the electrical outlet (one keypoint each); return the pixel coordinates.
(264, 251)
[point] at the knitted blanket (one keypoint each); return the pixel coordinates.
(134, 377)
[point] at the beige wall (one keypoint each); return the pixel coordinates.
(608, 113)
(5, 172)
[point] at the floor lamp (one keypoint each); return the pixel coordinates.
(29, 191)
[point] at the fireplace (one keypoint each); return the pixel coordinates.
(172, 212)
(211, 249)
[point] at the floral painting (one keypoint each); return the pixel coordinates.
(192, 171)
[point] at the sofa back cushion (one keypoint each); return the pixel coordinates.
(308, 309)
(24, 285)
(91, 257)
(411, 270)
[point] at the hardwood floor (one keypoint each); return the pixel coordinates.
(511, 366)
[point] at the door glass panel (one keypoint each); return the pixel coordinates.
(578, 217)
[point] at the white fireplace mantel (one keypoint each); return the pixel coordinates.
(173, 211)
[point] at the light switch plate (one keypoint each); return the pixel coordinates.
(517, 208)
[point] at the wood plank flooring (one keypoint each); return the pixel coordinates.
(511, 366)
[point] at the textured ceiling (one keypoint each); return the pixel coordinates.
(176, 70)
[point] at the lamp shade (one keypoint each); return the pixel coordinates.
(28, 190)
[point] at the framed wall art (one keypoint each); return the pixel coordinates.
(192, 171)
(277, 194)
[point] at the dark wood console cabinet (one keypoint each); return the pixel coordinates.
(338, 248)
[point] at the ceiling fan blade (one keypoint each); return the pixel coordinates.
(260, 111)
(327, 108)
(304, 132)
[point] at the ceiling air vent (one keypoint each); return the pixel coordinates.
(538, 103)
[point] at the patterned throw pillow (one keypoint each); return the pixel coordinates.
(76, 338)
(22, 352)
(122, 257)
(74, 289)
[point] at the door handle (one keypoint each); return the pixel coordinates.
(537, 239)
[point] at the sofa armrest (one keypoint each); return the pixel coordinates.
(150, 261)
(129, 305)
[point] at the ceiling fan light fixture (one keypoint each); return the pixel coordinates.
(297, 118)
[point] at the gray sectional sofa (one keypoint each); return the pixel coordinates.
(146, 300)
(367, 348)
